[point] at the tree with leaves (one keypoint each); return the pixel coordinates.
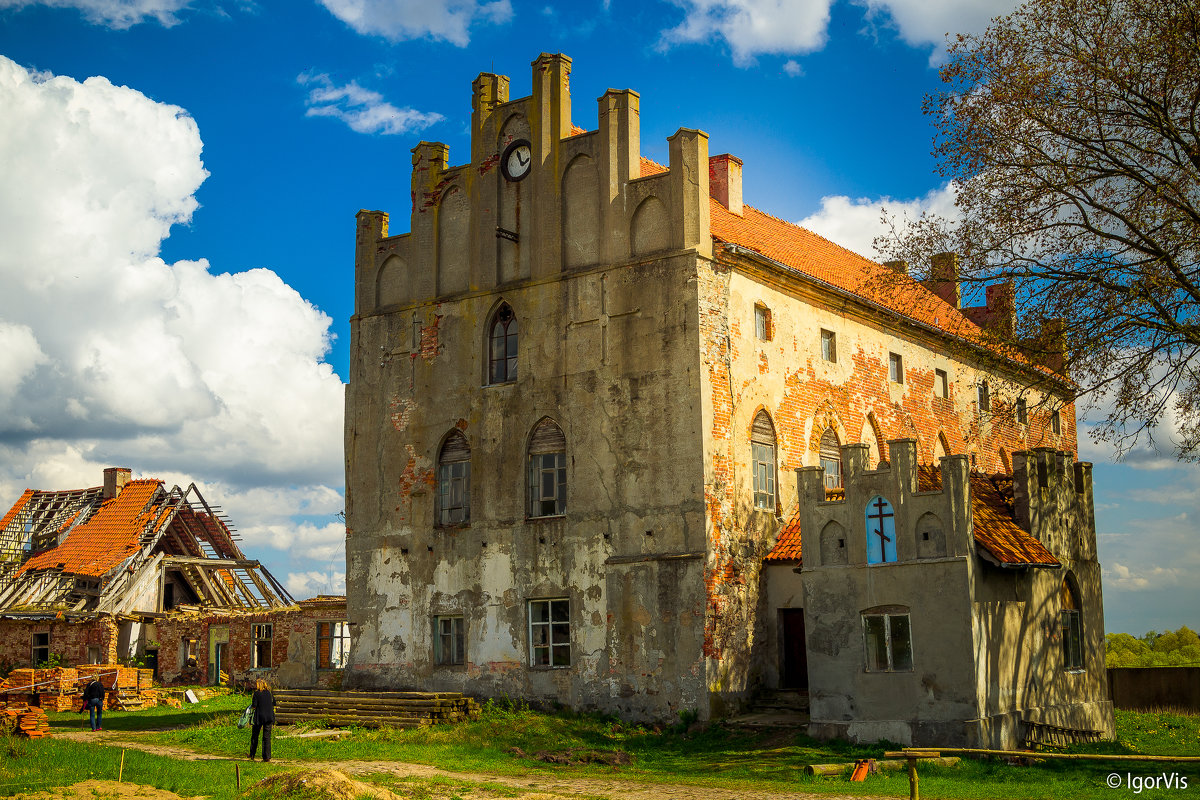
(1069, 132)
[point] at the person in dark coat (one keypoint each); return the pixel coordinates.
(263, 703)
(93, 701)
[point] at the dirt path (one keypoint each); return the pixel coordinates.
(531, 787)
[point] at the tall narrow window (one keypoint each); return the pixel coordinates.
(941, 384)
(831, 459)
(1056, 422)
(550, 632)
(502, 348)
(449, 643)
(1072, 628)
(985, 397)
(887, 639)
(41, 648)
(881, 532)
(261, 656)
(762, 322)
(547, 471)
(333, 644)
(1022, 411)
(762, 458)
(454, 481)
(896, 368)
(829, 346)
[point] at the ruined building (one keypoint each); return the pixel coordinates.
(581, 385)
(137, 569)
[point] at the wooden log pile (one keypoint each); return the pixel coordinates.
(373, 709)
(19, 719)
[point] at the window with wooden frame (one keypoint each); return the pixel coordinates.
(762, 461)
(260, 656)
(1070, 619)
(831, 458)
(454, 481)
(333, 644)
(502, 346)
(1022, 411)
(895, 368)
(985, 397)
(762, 322)
(829, 346)
(40, 651)
(887, 640)
(1056, 422)
(449, 641)
(941, 384)
(550, 632)
(547, 471)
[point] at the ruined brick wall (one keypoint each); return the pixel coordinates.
(70, 638)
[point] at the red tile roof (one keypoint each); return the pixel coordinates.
(111, 535)
(787, 546)
(16, 509)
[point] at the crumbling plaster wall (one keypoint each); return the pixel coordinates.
(804, 394)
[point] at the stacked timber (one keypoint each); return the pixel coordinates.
(373, 709)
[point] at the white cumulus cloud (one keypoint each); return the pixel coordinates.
(118, 14)
(111, 356)
(854, 223)
(754, 27)
(924, 22)
(365, 111)
(398, 20)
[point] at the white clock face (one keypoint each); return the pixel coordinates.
(517, 161)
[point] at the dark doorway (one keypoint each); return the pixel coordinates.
(792, 650)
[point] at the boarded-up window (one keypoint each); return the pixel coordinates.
(831, 459)
(762, 457)
(454, 481)
(547, 471)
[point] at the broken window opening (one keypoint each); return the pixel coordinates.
(887, 639)
(831, 458)
(1072, 628)
(941, 384)
(1022, 411)
(333, 644)
(985, 397)
(1056, 423)
(187, 652)
(261, 656)
(550, 632)
(41, 648)
(449, 643)
(502, 348)
(547, 471)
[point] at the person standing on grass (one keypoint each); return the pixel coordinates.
(93, 701)
(263, 703)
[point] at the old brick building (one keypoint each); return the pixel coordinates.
(134, 569)
(579, 385)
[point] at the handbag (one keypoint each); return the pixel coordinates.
(247, 715)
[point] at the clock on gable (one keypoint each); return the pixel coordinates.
(517, 160)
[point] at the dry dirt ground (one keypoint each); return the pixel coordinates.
(335, 781)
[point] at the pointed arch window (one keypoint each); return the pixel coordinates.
(547, 471)
(831, 459)
(762, 459)
(502, 346)
(1072, 627)
(454, 481)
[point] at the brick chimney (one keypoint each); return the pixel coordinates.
(114, 479)
(725, 181)
(943, 278)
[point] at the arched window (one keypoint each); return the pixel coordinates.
(547, 471)
(1072, 627)
(762, 459)
(502, 346)
(881, 532)
(831, 459)
(454, 481)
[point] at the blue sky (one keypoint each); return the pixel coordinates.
(176, 235)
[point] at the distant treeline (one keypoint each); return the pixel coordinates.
(1179, 648)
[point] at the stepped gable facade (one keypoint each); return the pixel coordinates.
(577, 385)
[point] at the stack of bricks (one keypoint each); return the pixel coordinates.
(125, 687)
(23, 720)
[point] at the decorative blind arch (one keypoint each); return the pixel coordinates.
(762, 460)
(831, 458)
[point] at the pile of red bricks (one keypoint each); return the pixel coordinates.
(61, 688)
(22, 720)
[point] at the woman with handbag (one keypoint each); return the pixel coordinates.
(263, 719)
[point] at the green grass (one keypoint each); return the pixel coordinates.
(716, 756)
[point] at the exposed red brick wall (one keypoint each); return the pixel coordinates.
(70, 639)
